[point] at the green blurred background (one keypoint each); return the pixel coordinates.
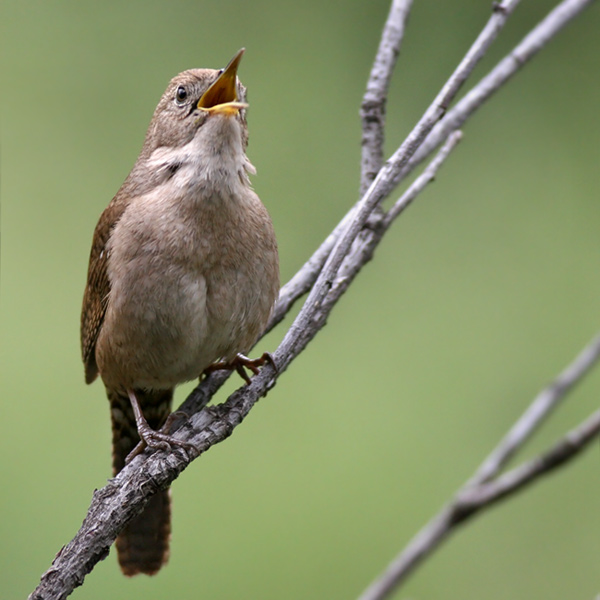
(483, 291)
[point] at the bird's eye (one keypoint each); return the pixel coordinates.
(180, 95)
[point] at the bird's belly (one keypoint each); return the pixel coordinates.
(168, 328)
(156, 334)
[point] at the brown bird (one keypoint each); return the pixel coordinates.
(183, 273)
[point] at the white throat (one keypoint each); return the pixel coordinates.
(213, 158)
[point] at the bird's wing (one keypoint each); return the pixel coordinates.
(97, 291)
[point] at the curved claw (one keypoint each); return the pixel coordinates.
(159, 440)
(242, 362)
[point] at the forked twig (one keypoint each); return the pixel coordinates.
(485, 487)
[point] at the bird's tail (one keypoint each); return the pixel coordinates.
(143, 545)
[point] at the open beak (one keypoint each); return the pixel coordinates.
(221, 96)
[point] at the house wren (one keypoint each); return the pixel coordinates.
(182, 277)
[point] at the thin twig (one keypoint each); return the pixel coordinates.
(303, 328)
(306, 276)
(372, 110)
(480, 492)
(472, 500)
(364, 246)
(454, 119)
(427, 176)
(531, 44)
(545, 402)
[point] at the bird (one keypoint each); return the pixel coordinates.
(182, 278)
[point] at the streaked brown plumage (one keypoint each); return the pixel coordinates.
(183, 272)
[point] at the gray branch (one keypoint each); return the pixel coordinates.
(327, 274)
(372, 109)
(311, 317)
(473, 499)
(482, 491)
(531, 44)
(539, 410)
(454, 119)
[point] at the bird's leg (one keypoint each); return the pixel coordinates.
(151, 438)
(242, 362)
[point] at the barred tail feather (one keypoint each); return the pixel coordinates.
(143, 545)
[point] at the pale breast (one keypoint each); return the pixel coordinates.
(190, 283)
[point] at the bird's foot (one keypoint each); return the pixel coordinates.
(240, 363)
(159, 440)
